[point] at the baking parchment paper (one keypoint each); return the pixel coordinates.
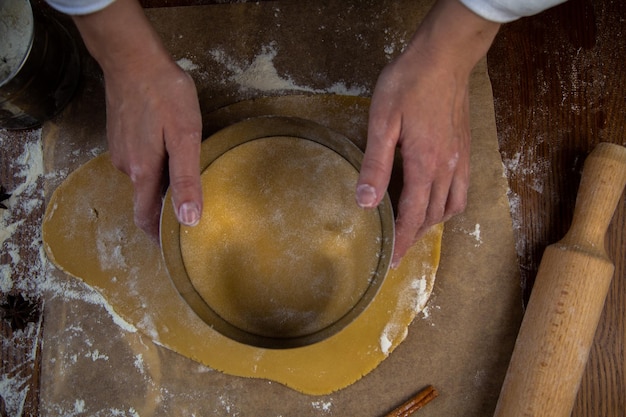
(95, 364)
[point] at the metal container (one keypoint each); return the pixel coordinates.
(39, 65)
(223, 142)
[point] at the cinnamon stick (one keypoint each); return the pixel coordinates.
(415, 403)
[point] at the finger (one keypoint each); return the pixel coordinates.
(440, 197)
(147, 185)
(437, 206)
(377, 162)
(457, 198)
(144, 170)
(442, 209)
(184, 170)
(438, 201)
(412, 209)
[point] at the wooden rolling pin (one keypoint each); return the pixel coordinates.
(567, 299)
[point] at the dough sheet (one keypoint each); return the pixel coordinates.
(89, 233)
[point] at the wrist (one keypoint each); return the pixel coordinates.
(121, 39)
(453, 37)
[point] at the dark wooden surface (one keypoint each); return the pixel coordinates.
(559, 87)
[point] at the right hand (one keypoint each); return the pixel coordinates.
(153, 120)
(153, 114)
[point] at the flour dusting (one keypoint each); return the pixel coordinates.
(228, 405)
(323, 406)
(529, 167)
(19, 244)
(421, 293)
(476, 235)
(27, 271)
(187, 65)
(414, 298)
(14, 384)
(139, 363)
(385, 343)
(262, 75)
(395, 43)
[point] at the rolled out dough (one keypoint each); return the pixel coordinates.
(282, 249)
(88, 232)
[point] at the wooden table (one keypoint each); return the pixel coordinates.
(559, 88)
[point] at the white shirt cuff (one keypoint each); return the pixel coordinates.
(79, 7)
(503, 11)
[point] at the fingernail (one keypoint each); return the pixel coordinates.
(189, 214)
(366, 196)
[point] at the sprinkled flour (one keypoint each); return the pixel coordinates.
(261, 75)
(528, 166)
(416, 300)
(27, 271)
(19, 238)
(187, 65)
(385, 343)
(476, 235)
(323, 406)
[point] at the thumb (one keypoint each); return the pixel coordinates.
(184, 170)
(377, 164)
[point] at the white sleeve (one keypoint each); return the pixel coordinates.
(503, 11)
(79, 7)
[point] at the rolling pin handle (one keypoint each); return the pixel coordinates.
(601, 186)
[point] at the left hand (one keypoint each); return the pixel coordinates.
(421, 104)
(424, 111)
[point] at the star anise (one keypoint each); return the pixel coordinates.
(3, 197)
(18, 311)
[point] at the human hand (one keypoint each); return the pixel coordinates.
(421, 104)
(154, 121)
(153, 115)
(425, 112)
